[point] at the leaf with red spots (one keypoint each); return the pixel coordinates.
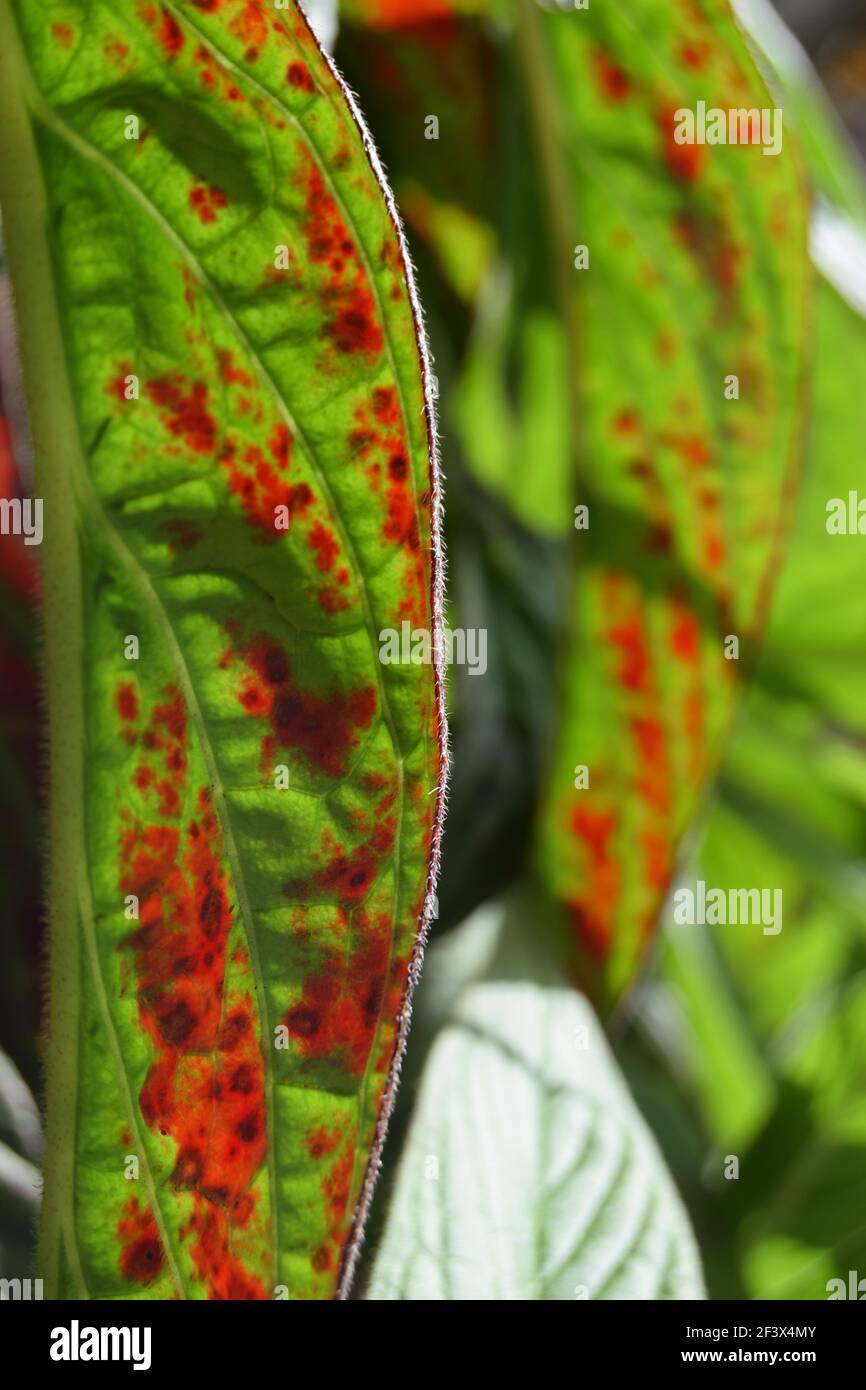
(687, 328)
(227, 391)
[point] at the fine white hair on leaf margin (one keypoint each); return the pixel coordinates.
(438, 605)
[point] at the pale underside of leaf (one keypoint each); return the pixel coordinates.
(528, 1172)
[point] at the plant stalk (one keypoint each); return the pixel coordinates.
(55, 439)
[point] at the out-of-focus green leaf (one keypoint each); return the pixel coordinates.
(464, 244)
(791, 816)
(217, 330)
(505, 583)
(427, 81)
(697, 273)
(527, 1173)
(510, 404)
(833, 168)
(732, 1080)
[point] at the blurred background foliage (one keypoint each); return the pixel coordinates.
(733, 1043)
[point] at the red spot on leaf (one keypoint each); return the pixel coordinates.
(351, 322)
(142, 1257)
(280, 445)
(338, 1012)
(230, 373)
(718, 258)
(628, 637)
(593, 912)
(322, 542)
(378, 441)
(386, 407)
(686, 637)
(651, 781)
(169, 34)
(348, 876)
(117, 385)
(126, 701)
(185, 412)
(331, 600)
(184, 535)
(323, 729)
(354, 329)
(206, 200)
(322, 1141)
(298, 75)
(611, 79)
(115, 51)
(626, 422)
(202, 1038)
(683, 161)
(258, 486)
(694, 55)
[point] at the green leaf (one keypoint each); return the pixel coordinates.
(801, 993)
(424, 80)
(217, 329)
(698, 272)
(499, 431)
(834, 168)
(528, 1173)
(791, 817)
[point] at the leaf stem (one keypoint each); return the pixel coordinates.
(55, 440)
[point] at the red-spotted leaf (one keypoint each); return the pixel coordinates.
(685, 299)
(225, 381)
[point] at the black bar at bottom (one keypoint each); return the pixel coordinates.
(155, 1338)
